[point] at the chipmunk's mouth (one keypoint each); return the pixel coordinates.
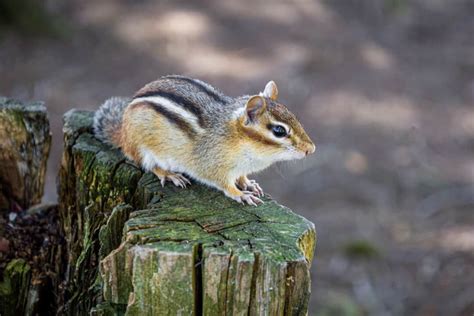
(292, 153)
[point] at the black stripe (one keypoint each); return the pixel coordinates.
(183, 102)
(170, 116)
(216, 96)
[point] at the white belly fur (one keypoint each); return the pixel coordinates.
(151, 161)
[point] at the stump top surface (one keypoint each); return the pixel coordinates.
(203, 215)
(12, 104)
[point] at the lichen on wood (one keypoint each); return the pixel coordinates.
(169, 250)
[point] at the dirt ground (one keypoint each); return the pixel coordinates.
(385, 88)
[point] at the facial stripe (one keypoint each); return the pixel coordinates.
(260, 138)
(202, 86)
(184, 123)
(173, 100)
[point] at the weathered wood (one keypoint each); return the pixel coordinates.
(30, 250)
(25, 141)
(172, 251)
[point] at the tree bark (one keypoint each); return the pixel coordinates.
(169, 250)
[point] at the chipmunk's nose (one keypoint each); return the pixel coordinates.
(311, 149)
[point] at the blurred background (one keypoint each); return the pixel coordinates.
(384, 87)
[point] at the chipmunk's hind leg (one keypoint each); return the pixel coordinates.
(177, 178)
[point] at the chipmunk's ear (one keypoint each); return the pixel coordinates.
(255, 107)
(271, 91)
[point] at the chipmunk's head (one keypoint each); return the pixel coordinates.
(275, 129)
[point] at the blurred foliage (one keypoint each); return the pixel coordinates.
(361, 249)
(29, 17)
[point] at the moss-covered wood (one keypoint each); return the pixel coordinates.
(25, 140)
(170, 251)
(14, 288)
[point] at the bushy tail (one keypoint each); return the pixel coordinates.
(108, 120)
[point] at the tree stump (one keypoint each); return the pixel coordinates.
(170, 251)
(25, 141)
(30, 241)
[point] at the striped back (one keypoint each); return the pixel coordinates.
(188, 100)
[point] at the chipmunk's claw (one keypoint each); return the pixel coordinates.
(178, 180)
(255, 188)
(250, 185)
(249, 198)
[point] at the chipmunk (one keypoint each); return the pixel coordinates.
(178, 125)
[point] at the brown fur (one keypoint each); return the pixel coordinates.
(298, 137)
(171, 117)
(141, 126)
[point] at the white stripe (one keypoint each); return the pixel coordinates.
(172, 107)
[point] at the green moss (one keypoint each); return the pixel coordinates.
(161, 275)
(108, 309)
(14, 288)
(110, 234)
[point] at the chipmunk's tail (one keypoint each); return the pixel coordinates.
(108, 120)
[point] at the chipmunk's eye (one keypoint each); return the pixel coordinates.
(279, 131)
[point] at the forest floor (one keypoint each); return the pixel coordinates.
(385, 89)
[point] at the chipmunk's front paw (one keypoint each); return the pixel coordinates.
(249, 185)
(248, 198)
(254, 187)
